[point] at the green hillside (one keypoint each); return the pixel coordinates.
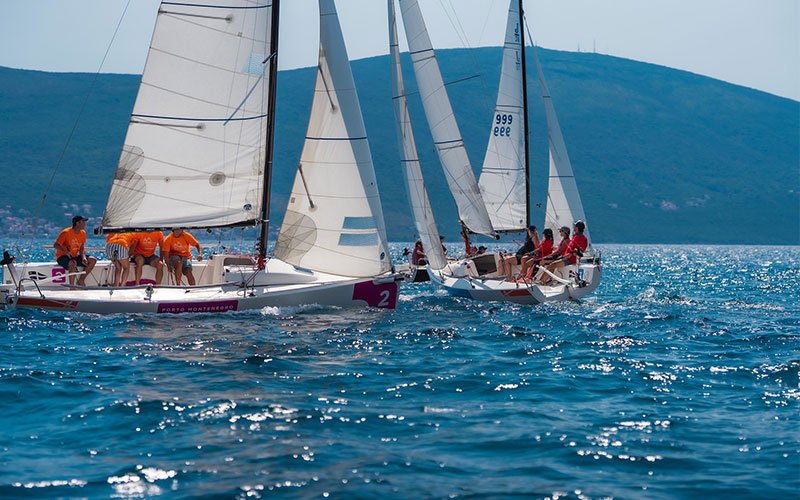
(660, 155)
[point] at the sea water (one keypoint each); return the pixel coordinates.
(678, 378)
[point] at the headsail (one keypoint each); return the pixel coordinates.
(442, 122)
(334, 221)
(415, 185)
(504, 175)
(194, 150)
(564, 205)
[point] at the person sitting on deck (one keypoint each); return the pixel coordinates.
(469, 249)
(70, 254)
(507, 263)
(574, 250)
(418, 255)
(118, 247)
(176, 252)
(544, 249)
(145, 254)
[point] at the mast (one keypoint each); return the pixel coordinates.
(272, 93)
(525, 117)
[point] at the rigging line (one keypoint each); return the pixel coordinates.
(77, 119)
(461, 33)
(325, 83)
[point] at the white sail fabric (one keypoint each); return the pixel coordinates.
(334, 221)
(442, 122)
(195, 146)
(564, 205)
(503, 179)
(415, 185)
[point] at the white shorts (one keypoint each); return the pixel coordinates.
(115, 251)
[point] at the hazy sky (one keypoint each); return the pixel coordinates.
(755, 43)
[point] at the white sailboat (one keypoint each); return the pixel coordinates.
(198, 154)
(504, 186)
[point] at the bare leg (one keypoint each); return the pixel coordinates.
(190, 276)
(126, 268)
(72, 268)
(177, 267)
(117, 271)
(159, 270)
(138, 262)
(90, 262)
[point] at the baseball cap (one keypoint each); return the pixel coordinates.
(78, 218)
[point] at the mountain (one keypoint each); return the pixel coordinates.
(660, 155)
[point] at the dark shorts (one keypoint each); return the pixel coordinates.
(64, 260)
(147, 260)
(187, 262)
(519, 258)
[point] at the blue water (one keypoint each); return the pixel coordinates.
(677, 379)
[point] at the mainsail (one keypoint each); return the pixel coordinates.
(564, 205)
(415, 185)
(442, 122)
(504, 175)
(194, 152)
(334, 221)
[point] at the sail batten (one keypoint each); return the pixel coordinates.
(503, 179)
(441, 120)
(335, 192)
(202, 107)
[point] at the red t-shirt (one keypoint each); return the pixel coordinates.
(417, 254)
(545, 248)
(577, 241)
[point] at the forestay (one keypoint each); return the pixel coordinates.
(195, 146)
(415, 185)
(503, 177)
(564, 205)
(334, 221)
(442, 122)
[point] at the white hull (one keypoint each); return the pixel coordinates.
(224, 284)
(464, 279)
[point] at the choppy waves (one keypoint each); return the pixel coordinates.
(678, 378)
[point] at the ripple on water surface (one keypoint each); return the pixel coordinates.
(678, 378)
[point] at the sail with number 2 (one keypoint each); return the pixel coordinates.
(334, 221)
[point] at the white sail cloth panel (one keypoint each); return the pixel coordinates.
(415, 185)
(564, 205)
(503, 177)
(334, 221)
(194, 150)
(442, 122)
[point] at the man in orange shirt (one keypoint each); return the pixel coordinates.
(70, 250)
(145, 254)
(176, 252)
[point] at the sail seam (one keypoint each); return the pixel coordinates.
(181, 118)
(193, 98)
(182, 4)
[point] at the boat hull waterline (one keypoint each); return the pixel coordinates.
(498, 290)
(254, 291)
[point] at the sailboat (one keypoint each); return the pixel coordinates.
(198, 155)
(500, 201)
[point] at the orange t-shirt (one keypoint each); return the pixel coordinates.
(71, 240)
(146, 243)
(124, 239)
(179, 245)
